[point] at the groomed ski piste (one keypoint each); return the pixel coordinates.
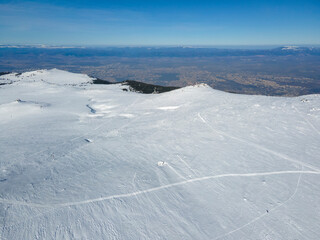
(86, 161)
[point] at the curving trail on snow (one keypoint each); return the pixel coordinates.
(126, 195)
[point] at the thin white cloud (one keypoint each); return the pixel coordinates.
(33, 16)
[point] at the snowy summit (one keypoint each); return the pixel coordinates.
(86, 161)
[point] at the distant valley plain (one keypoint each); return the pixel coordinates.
(280, 71)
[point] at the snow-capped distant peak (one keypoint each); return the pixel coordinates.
(294, 48)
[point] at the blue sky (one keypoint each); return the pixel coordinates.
(153, 22)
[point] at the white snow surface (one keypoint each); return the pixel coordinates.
(84, 161)
(53, 76)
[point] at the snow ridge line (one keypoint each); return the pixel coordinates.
(259, 146)
(127, 195)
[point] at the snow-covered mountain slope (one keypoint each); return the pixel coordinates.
(53, 76)
(94, 162)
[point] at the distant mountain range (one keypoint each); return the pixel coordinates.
(153, 51)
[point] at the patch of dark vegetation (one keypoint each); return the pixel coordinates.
(4, 73)
(147, 88)
(4, 83)
(138, 86)
(100, 81)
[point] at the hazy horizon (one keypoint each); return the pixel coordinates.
(232, 46)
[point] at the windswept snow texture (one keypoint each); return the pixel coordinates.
(85, 161)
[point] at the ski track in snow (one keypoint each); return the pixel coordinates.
(187, 165)
(178, 174)
(259, 146)
(126, 195)
(264, 214)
